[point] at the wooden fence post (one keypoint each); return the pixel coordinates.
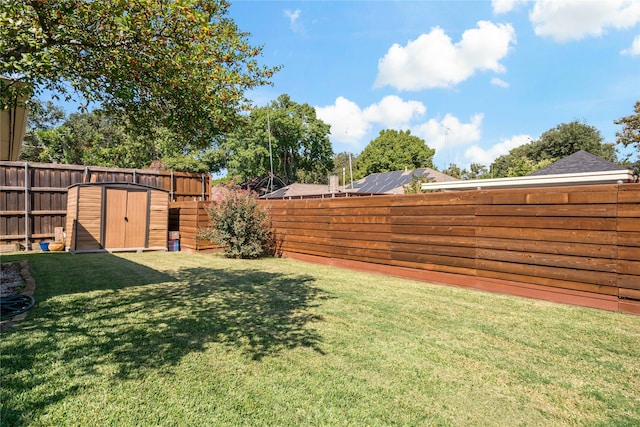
(26, 206)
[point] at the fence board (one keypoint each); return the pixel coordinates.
(459, 220)
(544, 195)
(549, 235)
(628, 224)
(434, 239)
(631, 238)
(443, 230)
(549, 247)
(592, 211)
(560, 284)
(551, 272)
(431, 259)
(630, 293)
(429, 210)
(629, 267)
(629, 211)
(441, 198)
(628, 281)
(345, 243)
(629, 193)
(545, 259)
(601, 224)
(629, 253)
(444, 250)
(433, 267)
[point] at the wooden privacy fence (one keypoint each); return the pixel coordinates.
(188, 218)
(579, 245)
(33, 196)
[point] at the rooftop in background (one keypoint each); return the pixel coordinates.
(297, 190)
(580, 168)
(311, 191)
(393, 182)
(578, 162)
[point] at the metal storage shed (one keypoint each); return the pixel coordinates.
(116, 217)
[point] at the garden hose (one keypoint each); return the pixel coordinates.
(15, 304)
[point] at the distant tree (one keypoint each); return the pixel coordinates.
(568, 138)
(300, 145)
(42, 117)
(415, 185)
(341, 163)
(630, 134)
(180, 64)
(453, 170)
(476, 171)
(523, 166)
(96, 138)
(554, 144)
(99, 138)
(393, 150)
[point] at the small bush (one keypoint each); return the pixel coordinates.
(239, 225)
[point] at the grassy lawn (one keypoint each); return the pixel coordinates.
(175, 339)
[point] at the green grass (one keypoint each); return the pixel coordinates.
(175, 339)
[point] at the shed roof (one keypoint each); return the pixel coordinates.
(124, 185)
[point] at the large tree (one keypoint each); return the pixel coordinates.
(568, 138)
(98, 138)
(300, 146)
(182, 64)
(630, 134)
(394, 150)
(554, 144)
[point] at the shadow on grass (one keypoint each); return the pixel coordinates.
(103, 318)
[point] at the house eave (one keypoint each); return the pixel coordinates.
(584, 178)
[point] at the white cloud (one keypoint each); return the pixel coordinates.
(432, 60)
(450, 131)
(634, 50)
(504, 6)
(499, 82)
(565, 20)
(392, 112)
(354, 126)
(477, 154)
(348, 124)
(293, 16)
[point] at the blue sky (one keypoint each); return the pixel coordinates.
(474, 79)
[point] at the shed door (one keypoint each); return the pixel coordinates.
(125, 219)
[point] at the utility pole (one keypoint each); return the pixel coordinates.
(270, 185)
(446, 145)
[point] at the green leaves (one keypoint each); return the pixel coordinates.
(393, 150)
(182, 64)
(300, 146)
(630, 134)
(554, 144)
(239, 225)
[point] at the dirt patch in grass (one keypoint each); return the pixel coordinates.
(10, 280)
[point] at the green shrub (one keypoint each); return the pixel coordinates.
(239, 225)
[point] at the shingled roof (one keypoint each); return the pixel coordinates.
(393, 182)
(578, 162)
(297, 190)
